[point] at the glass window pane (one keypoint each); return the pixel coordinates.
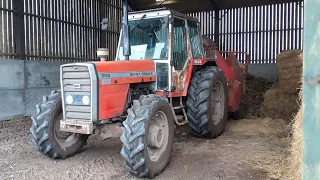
(195, 42)
(148, 39)
(179, 51)
(162, 76)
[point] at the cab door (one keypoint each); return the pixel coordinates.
(186, 45)
(181, 55)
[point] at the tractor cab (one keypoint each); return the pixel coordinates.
(161, 35)
(148, 38)
(167, 37)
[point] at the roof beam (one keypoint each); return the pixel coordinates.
(163, 3)
(214, 4)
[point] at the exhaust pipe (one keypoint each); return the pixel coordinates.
(125, 31)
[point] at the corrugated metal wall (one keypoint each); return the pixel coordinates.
(70, 29)
(7, 49)
(57, 30)
(261, 31)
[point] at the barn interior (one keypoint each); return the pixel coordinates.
(37, 37)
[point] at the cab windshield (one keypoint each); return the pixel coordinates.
(148, 39)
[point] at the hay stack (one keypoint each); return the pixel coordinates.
(282, 101)
(279, 105)
(296, 148)
(289, 65)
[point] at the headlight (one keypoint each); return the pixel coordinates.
(69, 99)
(85, 100)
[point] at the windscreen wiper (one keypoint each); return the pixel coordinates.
(144, 16)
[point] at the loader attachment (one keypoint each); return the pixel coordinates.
(243, 64)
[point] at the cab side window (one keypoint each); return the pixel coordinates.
(194, 35)
(179, 50)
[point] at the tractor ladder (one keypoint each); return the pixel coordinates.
(180, 107)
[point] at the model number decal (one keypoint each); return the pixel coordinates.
(104, 75)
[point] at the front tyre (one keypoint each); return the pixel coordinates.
(148, 136)
(45, 130)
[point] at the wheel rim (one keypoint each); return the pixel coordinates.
(65, 139)
(217, 102)
(158, 135)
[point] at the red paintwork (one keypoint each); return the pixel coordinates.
(188, 78)
(112, 97)
(125, 66)
(187, 82)
(111, 100)
(129, 80)
(171, 94)
(233, 72)
(245, 65)
(235, 78)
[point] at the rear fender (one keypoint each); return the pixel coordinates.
(235, 73)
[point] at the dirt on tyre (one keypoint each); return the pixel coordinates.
(148, 136)
(207, 104)
(45, 130)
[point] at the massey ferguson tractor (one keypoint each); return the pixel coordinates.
(163, 70)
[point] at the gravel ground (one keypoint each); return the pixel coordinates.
(249, 149)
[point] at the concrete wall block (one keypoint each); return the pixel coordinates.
(41, 78)
(267, 71)
(12, 104)
(11, 74)
(42, 74)
(34, 96)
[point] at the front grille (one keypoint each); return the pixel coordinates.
(77, 83)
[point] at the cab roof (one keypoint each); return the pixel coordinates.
(193, 6)
(159, 12)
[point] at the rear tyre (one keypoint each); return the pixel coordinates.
(45, 130)
(207, 104)
(148, 136)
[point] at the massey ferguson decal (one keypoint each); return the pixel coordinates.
(106, 77)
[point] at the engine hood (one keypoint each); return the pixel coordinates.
(125, 66)
(115, 78)
(125, 72)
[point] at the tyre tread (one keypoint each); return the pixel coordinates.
(40, 121)
(134, 131)
(198, 101)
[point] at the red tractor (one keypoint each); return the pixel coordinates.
(167, 70)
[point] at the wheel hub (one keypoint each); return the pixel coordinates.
(65, 139)
(217, 102)
(155, 136)
(157, 140)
